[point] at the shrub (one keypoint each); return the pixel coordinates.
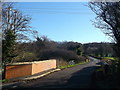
(61, 62)
(57, 54)
(25, 56)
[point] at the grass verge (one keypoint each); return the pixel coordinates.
(112, 58)
(4, 81)
(68, 66)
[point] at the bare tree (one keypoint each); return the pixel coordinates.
(15, 21)
(108, 19)
(15, 27)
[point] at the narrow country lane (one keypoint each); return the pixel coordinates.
(75, 77)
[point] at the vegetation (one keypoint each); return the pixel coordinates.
(68, 66)
(110, 58)
(108, 19)
(99, 49)
(16, 51)
(47, 49)
(14, 28)
(4, 81)
(15, 25)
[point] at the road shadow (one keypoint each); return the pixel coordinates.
(83, 78)
(80, 79)
(99, 63)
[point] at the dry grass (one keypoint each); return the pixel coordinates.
(61, 62)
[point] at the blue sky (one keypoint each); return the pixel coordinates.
(63, 21)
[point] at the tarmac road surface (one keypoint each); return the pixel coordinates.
(79, 76)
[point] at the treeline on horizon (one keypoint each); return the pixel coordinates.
(16, 29)
(44, 49)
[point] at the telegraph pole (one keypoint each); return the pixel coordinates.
(8, 17)
(15, 18)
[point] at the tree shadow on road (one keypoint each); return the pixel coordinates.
(80, 79)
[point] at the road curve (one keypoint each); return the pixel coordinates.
(74, 77)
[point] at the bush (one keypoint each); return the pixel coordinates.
(25, 56)
(57, 54)
(61, 62)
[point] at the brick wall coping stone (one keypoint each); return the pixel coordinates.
(27, 63)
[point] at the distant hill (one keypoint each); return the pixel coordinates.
(99, 49)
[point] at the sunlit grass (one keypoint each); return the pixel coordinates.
(4, 80)
(68, 66)
(112, 58)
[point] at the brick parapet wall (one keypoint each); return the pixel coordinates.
(28, 68)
